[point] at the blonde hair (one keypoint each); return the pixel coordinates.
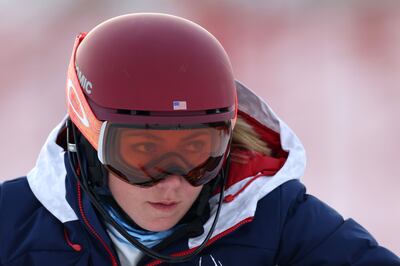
(246, 138)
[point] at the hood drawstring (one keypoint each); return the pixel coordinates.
(75, 247)
(230, 197)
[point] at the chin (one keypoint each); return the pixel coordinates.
(160, 226)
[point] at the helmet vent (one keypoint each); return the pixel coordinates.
(132, 112)
(217, 111)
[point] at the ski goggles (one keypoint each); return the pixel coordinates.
(145, 155)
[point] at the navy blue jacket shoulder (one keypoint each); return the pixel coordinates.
(289, 228)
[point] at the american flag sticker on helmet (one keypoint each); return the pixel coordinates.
(179, 105)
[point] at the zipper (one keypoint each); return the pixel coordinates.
(92, 230)
(212, 240)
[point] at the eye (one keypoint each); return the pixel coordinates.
(144, 147)
(194, 146)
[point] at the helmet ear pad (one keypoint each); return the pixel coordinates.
(96, 173)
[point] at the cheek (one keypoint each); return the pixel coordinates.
(127, 196)
(191, 193)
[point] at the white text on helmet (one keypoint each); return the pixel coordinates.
(85, 83)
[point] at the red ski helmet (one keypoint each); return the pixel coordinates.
(156, 72)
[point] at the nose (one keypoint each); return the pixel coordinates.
(171, 182)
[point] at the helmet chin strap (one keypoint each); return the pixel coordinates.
(75, 159)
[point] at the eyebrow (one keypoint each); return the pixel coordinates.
(194, 135)
(155, 137)
(146, 135)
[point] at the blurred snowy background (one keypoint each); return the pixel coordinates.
(330, 69)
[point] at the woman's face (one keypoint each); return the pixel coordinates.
(156, 208)
(161, 206)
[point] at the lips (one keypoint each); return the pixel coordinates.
(164, 205)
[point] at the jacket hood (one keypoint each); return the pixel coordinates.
(47, 178)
